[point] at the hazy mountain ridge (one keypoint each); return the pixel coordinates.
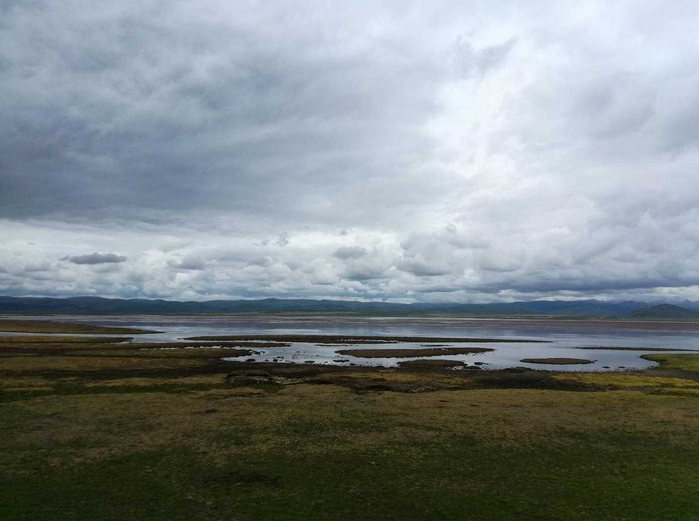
(99, 305)
(665, 311)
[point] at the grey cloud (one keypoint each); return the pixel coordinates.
(261, 261)
(364, 271)
(350, 252)
(469, 60)
(39, 267)
(188, 263)
(283, 240)
(420, 267)
(96, 258)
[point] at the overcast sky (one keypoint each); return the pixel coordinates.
(408, 151)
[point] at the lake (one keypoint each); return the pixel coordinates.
(559, 338)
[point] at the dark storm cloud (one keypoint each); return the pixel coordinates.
(377, 150)
(96, 258)
(115, 108)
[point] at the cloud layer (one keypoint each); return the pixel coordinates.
(442, 151)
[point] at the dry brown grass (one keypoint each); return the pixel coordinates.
(195, 381)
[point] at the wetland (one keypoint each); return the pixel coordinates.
(112, 424)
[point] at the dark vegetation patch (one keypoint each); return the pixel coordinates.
(557, 361)
(210, 367)
(241, 477)
(521, 378)
(357, 379)
(79, 389)
(347, 339)
(427, 378)
(363, 379)
(289, 370)
(410, 353)
(364, 385)
(259, 377)
(45, 326)
(431, 363)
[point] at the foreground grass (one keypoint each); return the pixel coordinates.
(136, 437)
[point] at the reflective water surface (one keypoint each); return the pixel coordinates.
(560, 338)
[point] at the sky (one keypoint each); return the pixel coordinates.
(441, 151)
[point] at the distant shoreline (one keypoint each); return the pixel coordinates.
(622, 323)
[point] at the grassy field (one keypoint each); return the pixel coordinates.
(103, 432)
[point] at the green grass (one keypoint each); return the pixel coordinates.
(683, 362)
(593, 476)
(202, 450)
(135, 437)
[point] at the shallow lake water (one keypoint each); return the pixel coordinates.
(559, 338)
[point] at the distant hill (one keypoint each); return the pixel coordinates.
(99, 305)
(665, 311)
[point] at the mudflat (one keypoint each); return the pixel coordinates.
(362, 339)
(410, 353)
(431, 363)
(557, 361)
(46, 326)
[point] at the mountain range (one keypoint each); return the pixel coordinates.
(579, 308)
